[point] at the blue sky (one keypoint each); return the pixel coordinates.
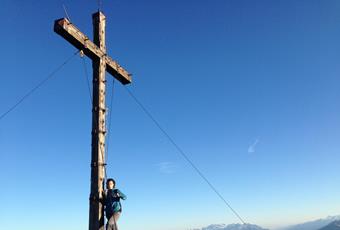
(249, 89)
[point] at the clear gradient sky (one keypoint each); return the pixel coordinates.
(250, 89)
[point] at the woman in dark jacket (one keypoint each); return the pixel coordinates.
(113, 207)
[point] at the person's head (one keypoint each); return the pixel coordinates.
(110, 183)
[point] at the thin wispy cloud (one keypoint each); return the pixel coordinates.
(252, 147)
(166, 167)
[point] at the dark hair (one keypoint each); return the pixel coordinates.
(110, 179)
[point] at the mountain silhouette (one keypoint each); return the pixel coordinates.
(335, 225)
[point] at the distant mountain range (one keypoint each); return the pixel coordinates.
(329, 223)
(335, 225)
(313, 225)
(232, 227)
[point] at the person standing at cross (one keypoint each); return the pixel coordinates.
(101, 63)
(112, 205)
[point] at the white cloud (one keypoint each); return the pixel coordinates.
(252, 147)
(167, 167)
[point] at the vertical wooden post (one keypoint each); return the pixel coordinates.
(96, 218)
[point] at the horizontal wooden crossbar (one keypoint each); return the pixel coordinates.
(72, 34)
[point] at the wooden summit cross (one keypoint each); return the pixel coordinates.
(101, 63)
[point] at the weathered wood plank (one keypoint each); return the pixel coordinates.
(73, 35)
